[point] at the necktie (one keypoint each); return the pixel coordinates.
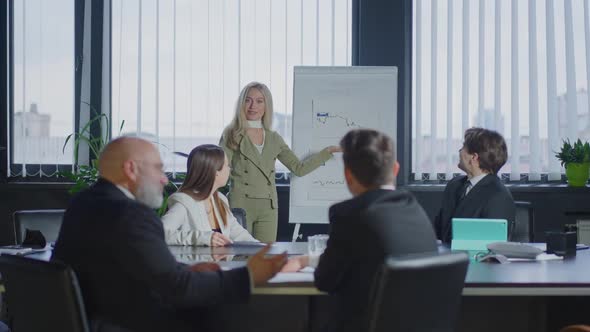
(465, 189)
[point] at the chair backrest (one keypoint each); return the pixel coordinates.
(576, 328)
(46, 221)
(240, 215)
(418, 293)
(42, 296)
(523, 230)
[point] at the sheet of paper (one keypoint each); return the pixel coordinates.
(548, 257)
(247, 244)
(283, 277)
(14, 250)
(540, 257)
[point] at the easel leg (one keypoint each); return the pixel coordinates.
(295, 233)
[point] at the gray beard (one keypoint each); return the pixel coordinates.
(150, 195)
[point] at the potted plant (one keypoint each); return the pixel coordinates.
(84, 176)
(576, 160)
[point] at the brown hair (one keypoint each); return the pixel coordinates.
(490, 147)
(370, 156)
(201, 168)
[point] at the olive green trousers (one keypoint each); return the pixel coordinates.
(261, 217)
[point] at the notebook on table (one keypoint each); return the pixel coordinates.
(247, 244)
(477, 233)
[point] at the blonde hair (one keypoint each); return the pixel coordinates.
(238, 123)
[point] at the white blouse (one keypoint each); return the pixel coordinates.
(261, 146)
(186, 222)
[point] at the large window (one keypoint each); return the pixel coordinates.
(42, 85)
(519, 67)
(178, 66)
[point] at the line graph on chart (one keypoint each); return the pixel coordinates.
(328, 102)
(327, 182)
(332, 118)
(324, 117)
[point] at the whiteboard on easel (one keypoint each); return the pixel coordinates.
(327, 103)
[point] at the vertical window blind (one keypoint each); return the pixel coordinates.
(42, 86)
(179, 65)
(518, 67)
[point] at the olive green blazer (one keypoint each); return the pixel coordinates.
(253, 173)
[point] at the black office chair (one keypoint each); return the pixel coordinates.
(42, 296)
(418, 293)
(240, 215)
(523, 230)
(576, 328)
(46, 221)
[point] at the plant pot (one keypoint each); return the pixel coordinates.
(577, 174)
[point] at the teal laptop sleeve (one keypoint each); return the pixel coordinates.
(476, 234)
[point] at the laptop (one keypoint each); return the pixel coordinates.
(477, 233)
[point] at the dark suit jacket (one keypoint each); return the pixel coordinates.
(126, 272)
(488, 199)
(363, 230)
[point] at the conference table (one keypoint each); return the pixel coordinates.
(562, 277)
(518, 296)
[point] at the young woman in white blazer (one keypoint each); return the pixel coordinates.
(198, 214)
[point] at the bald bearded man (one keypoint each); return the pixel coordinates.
(115, 243)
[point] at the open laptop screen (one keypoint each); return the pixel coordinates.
(476, 233)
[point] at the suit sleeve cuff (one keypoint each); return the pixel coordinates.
(204, 238)
(325, 154)
(251, 279)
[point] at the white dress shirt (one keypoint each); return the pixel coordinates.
(474, 180)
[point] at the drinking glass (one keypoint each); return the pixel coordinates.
(316, 244)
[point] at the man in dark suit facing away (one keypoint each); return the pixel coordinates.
(480, 193)
(378, 221)
(115, 243)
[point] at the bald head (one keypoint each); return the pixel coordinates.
(134, 164)
(111, 164)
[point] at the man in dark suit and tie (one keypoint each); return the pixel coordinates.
(378, 221)
(115, 243)
(480, 193)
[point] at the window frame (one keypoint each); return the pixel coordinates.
(5, 85)
(282, 177)
(409, 177)
(367, 18)
(7, 108)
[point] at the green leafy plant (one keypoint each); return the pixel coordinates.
(84, 176)
(579, 152)
(172, 188)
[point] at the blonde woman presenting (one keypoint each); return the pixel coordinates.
(252, 149)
